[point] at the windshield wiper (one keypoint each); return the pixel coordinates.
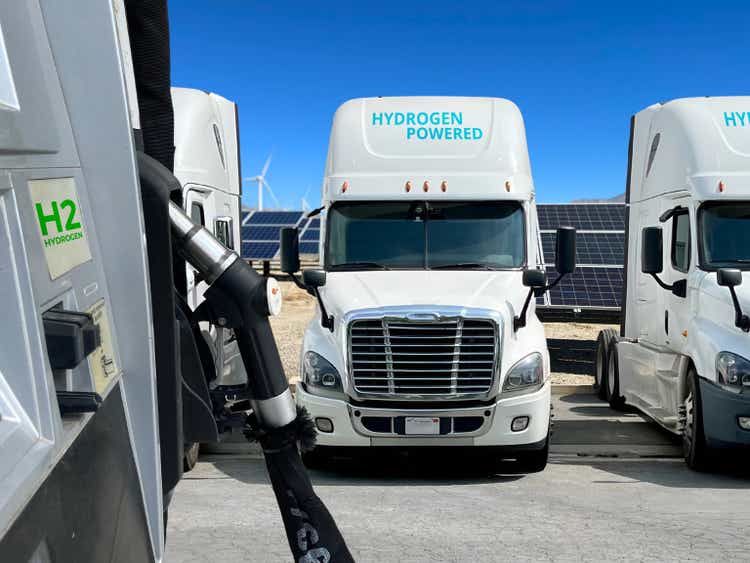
(463, 266)
(360, 266)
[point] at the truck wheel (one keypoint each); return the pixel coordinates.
(694, 446)
(191, 456)
(314, 459)
(612, 387)
(603, 344)
(536, 461)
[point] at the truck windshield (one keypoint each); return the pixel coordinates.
(423, 235)
(725, 235)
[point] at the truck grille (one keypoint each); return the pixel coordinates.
(448, 357)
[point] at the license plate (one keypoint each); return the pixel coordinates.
(423, 426)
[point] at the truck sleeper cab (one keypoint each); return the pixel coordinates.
(422, 337)
(681, 357)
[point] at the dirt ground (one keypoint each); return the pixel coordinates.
(298, 308)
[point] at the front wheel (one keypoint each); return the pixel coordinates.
(694, 447)
(616, 401)
(603, 347)
(536, 461)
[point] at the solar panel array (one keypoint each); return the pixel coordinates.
(600, 255)
(261, 233)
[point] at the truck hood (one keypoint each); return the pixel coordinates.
(348, 291)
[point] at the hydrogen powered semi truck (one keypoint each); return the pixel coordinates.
(683, 352)
(426, 333)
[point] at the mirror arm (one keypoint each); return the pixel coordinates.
(661, 283)
(298, 282)
(557, 280)
(315, 211)
(520, 321)
(326, 321)
(741, 320)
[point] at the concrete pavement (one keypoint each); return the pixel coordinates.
(604, 497)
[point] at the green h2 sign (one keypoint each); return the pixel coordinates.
(60, 224)
(62, 216)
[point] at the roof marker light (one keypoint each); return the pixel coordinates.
(408, 186)
(721, 187)
(507, 185)
(426, 186)
(344, 187)
(444, 185)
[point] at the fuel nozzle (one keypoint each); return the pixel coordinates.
(240, 299)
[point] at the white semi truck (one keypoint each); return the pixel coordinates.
(426, 334)
(207, 164)
(683, 353)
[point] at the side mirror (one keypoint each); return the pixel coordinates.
(314, 278)
(727, 277)
(652, 259)
(731, 278)
(289, 250)
(565, 251)
(534, 279)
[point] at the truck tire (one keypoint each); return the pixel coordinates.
(534, 462)
(603, 344)
(694, 447)
(191, 456)
(314, 459)
(612, 379)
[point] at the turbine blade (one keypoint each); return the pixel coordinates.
(266, 165)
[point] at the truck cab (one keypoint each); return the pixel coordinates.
(426, 333)
(207, 165)
(682, 353)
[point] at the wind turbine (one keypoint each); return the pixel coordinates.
(261, 180)
(305, 206)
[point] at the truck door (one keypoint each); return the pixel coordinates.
(231, 369)
(681, 262)
(200, 209)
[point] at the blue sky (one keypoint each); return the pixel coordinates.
(577, 70)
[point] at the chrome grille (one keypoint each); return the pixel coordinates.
(453, 357)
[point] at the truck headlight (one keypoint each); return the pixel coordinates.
(319, 376)
(733, 371)
(525, 376)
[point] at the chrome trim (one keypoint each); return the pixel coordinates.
(277, 411)
(392, 413)
(435, 314)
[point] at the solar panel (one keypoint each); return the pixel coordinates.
(244, 216)
(311, 234)
(587, 287)
(286, 218)
(259, 250)
(584, 217)
(254, 233)
(591, 248)
(314, 223)
(308, 248)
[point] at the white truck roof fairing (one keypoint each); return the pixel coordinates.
(697, 144)
(474, 147)
(206, 140)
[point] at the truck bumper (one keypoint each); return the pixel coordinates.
(721, 412)
(485, 425)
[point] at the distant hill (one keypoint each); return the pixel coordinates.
(616, 199)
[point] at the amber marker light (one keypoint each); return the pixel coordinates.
(426, 186)
(344, 187)
(507, 185)
(721, 187)
(444, 185)
(407, 187)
